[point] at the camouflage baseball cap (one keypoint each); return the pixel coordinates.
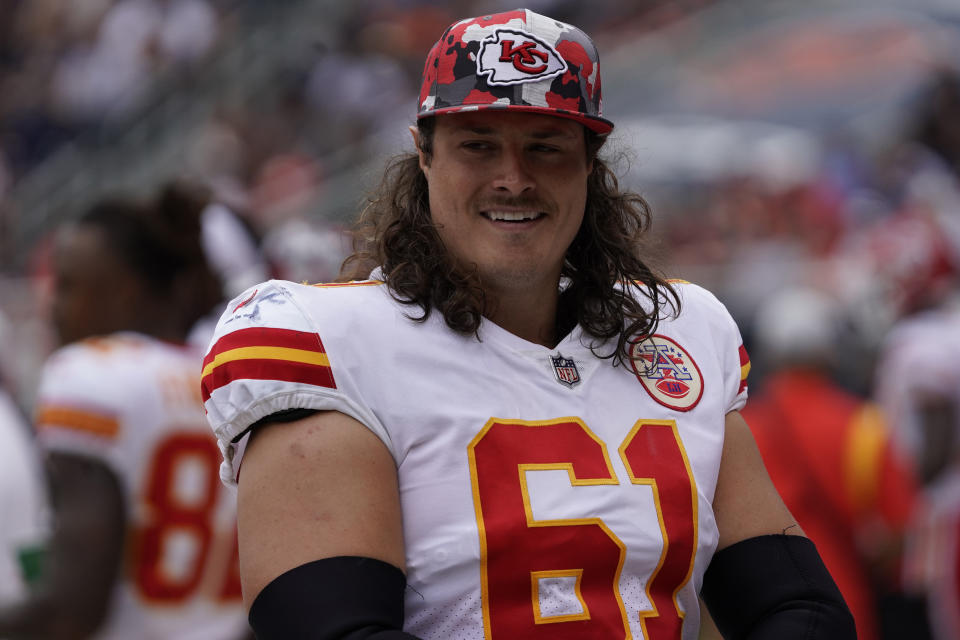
(517, 60)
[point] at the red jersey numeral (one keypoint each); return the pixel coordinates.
(517, 551)
(654, 455)
(180, 529)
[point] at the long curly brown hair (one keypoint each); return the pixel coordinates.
(396, 232)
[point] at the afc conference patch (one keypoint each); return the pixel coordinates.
(566, 370)
(668, 372)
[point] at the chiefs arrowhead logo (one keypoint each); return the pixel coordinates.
(510, 56)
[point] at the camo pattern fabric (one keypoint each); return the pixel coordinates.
(517, 60)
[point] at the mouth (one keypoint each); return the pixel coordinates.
(512, 216)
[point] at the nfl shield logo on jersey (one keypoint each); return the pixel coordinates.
(565, 370)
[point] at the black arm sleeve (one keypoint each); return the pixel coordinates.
(342, 598)
(775, 588)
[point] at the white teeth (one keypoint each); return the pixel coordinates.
(511, 216)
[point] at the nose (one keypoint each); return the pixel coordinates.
(513, 174)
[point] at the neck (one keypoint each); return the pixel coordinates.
(526, 315)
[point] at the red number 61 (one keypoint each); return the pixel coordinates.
(516, 551)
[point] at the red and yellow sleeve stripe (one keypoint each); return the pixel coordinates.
(262, 353)
(744, 369)
(98, 424)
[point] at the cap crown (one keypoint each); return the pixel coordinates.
(517, 60)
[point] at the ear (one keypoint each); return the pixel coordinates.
(416, 143)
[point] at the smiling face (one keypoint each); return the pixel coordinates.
(507, 193)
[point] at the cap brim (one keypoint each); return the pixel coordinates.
(598, 125)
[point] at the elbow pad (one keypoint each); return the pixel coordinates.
(775, 587)
(345, 597)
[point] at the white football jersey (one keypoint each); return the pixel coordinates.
(545, 492)
(131, 401)
(919, 357)
(24, 525)
(933, 554)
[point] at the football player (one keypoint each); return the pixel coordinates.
(924, 406)
(144, 540)
(514, 428)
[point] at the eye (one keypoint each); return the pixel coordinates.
(544, 148)
(477, 145)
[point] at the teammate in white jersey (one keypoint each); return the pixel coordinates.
(918, 384)
(145, 539)
(514, 428)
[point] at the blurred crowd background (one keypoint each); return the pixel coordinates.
(809, 149)
(773, 141)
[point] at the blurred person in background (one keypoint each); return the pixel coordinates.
(917, 382)
(832, 457)
(24, 525)
(233, 251)
(306, 250)
(144, 536)
(916, 275)
(917, 374)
